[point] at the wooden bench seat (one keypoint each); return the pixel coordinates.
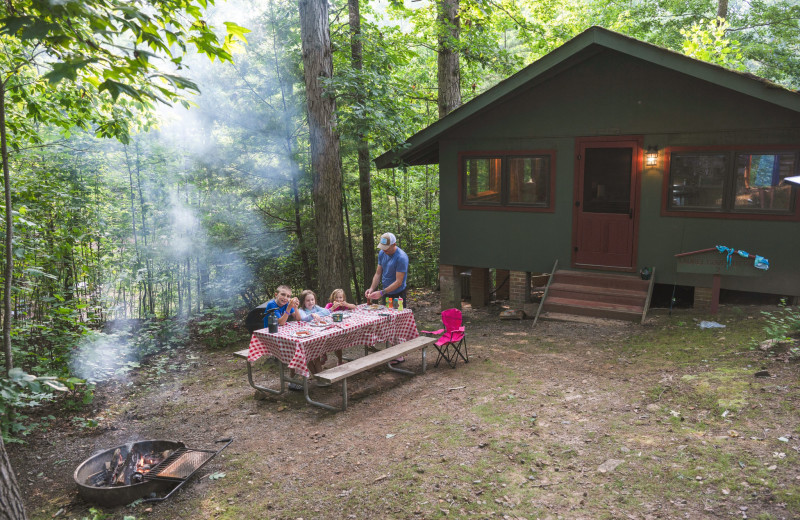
(335, 374)
(342, 372)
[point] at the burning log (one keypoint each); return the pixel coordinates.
(114, 467)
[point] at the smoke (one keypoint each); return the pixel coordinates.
(103, 357)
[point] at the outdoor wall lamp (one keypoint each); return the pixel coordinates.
(651, 156)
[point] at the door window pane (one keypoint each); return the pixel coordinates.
(759, 185)
(607, 180)
(482, 180)
(529, 180)
(696, 181)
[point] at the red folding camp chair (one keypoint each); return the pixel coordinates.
(450, 343)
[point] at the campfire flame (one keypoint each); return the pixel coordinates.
(122, 471)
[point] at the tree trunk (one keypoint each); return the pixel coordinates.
(9, 267)
(722, 9)
(148, 262)
(133, 214)
(290, 143)
(449, 74)
(11, 505)
(318, 64)
(364, 181)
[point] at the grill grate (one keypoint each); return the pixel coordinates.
(180, 465)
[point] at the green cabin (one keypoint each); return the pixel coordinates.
(611, 154)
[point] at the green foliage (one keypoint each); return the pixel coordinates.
(783, 323)
(213, 328)
(21, 390)
(98, 514)
(707, 41)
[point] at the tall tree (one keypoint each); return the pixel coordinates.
(722, 9)
(11, 505)
(98, 50)
(362, 147)
(449, 72)
(324, 143)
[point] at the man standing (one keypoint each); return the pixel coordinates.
(392, 271)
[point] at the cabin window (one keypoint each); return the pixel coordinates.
(760, 184)
(483, 180)
(507, 181)
(732, 182)
(528, 180)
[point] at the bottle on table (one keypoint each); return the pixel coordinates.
(389, 303)
(399, 304)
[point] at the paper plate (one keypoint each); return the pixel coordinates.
(303, 333)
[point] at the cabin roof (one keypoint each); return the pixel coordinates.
(423, 147)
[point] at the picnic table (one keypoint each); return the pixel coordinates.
(363, 326)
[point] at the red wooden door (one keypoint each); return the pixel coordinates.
(606, 201)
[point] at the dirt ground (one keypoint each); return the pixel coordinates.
(572, 420)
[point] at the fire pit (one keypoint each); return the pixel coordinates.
(141, 469)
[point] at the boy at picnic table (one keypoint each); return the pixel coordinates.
(286, 307)
(284, 303)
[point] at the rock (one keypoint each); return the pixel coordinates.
(609, 465)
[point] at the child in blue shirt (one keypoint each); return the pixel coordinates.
(284, 303)
(286, 307)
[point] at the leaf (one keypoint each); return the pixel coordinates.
(56, 385)
(38, 272)
(237, 30)
(115, 88)
(66, 70)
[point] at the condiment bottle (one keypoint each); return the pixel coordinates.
(399, 304)
(389, 303)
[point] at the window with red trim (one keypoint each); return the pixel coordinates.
(507, 180)
(731, 181)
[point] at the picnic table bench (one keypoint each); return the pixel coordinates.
(351, 368)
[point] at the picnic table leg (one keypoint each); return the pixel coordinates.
(323, 405)
(264, 388)
(408, 372)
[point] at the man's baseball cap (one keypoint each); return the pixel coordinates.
(387, 241)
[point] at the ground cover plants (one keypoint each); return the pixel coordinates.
(593, 419)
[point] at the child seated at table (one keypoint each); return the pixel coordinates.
(309, 310)
(337, 302)
(285, 305)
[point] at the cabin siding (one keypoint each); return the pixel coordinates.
(611, 93)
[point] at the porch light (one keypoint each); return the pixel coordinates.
(651, 156)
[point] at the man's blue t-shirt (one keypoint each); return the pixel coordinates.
(391, 265)
(272, 304)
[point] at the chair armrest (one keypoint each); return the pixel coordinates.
(460, 329)
(431, 331)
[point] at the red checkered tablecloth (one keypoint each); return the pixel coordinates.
(363, 327)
